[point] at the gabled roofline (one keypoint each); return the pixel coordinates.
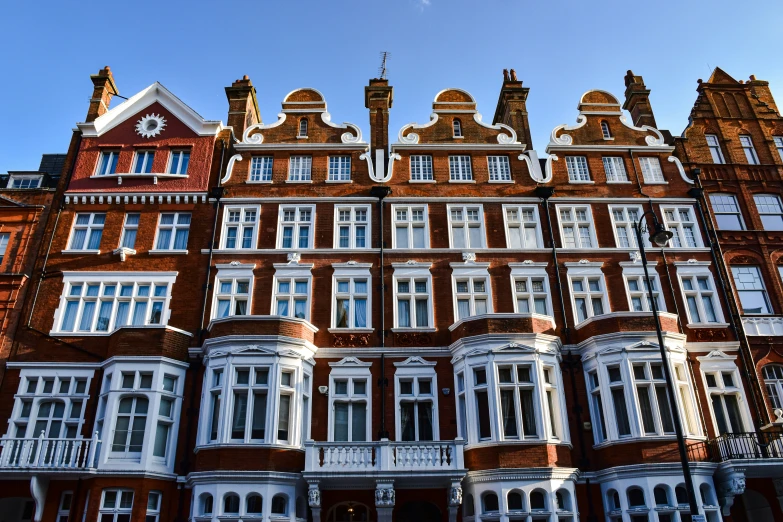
(143, 99)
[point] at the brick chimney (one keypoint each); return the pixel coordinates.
(378, 98)
(242, 106)
(512, 107)
(637, 101)
(103, 91)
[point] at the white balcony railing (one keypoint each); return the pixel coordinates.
(43, 453)
(769, 325)
(384, 455)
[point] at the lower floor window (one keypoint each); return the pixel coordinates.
(116, 505)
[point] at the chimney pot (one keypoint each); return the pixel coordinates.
(246, 77)
(505, 75)
(513, 75)
(103, 91)
(753, 77)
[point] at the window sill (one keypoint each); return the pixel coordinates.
(303, 137)
(167, 252)
(696, 326)
(351, 330)
(458, 137)
(80, 251)
(400, 329)
(609, 139)
(298, 181)
(581, 182)
(338, 181)
(651, 438)
(626, 182)
(506, 181)
(656, 182)
(421, 181)
(259, 182)
(462, 181)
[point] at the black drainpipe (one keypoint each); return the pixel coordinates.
(739, 332)
(545, 193)
(380, 192)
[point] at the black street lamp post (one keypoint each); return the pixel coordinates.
(659, 237)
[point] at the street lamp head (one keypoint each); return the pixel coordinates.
(660, 236)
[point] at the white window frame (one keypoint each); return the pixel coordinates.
(693, 272)
(627, 225)
(578, 169)
(471, 273)
(234, 274)
(175, 227)
(522, 212)
(465, 224)
(754, 271)
(147, 159)
(292, 273)
(261, 169)
(412, 272)
(110, 166)
(339, 169)
(409, 224)
(175, 159)
(746, 142)
(130, 227)
(585, 273)
(302, 128)
(416, 369)
(118, 279)
(460, 168)
(352, 224)
(456, 128)
(89, 227)
(300, 169)
(529, 273)
(499, 168)
(64, 507)
(421, 168)
(351, 272)
(576, 224)
(779, 145)
(713, 143)
(296, 225)
(5, 237)
(767, 209)
(634, 273)
(605, 131)
(725, 204)
(720, 367)
(652, 173)
(678, 226)
(117, 510)
(773, 382)
(154, 501)
(241, 226)
(614, 168)
(350, 370)
(24, 181)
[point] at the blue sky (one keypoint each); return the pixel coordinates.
(559, 48)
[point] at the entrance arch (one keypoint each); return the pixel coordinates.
(756, 507)
(349, 512)
(419, 512)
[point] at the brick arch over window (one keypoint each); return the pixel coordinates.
(743, 257)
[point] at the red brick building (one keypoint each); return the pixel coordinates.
(294, 321)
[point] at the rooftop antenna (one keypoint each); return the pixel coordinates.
(382, 69)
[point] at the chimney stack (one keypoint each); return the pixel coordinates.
(512, 106)
(103, 91)
(378, 98)
(637, 101)
(242, 106)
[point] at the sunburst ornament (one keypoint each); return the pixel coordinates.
(150, 125)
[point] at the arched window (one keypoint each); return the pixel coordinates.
(773, 379)
(682, 494)
(457, 124)
(231, 504)
(255, 504)
(490, 501)
(467, 506)
(661, 496)
(130, 425)
(707, 498)
(613, 499)
(635, 497)
(49, 420)
(537, 500)
(303, 127)
(205, 501)
(563, 500)
(605, 130)
(515, 502)
(279, 505)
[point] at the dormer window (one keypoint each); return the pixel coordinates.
(108, 162)
(607, 134)
(303, 128)
(143, 161)
(24, 182)
(457, 128)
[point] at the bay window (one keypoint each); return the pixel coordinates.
(517, 411)
(250, 394)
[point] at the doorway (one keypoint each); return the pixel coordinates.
(349, 512)
(419, 512)
(17, 509)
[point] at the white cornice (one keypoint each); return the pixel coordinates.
(152, 198)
